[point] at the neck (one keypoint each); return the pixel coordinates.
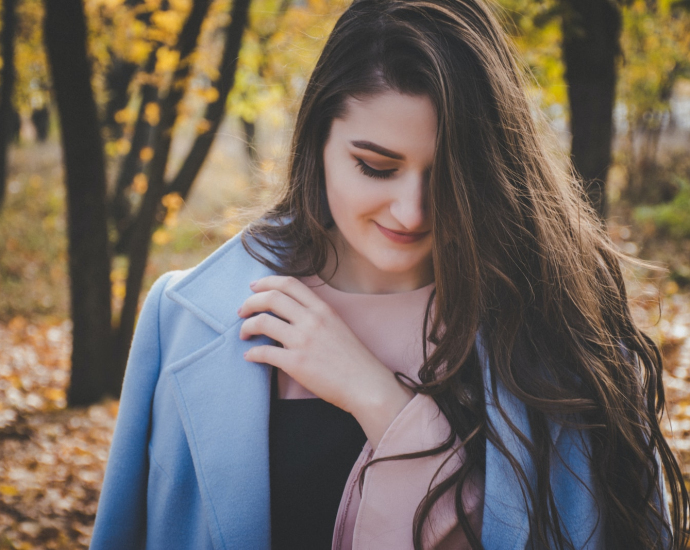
(357, 275)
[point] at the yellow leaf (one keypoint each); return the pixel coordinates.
(113, 407)
(152, 113)
(140, 183)
(54, 394)
(146, 154)
(172, 201)
(181, 5)
(203, 126)
(139, 51)
(210, 94)
(170, 219)
(161, 237)
(671, 287)
(167, 60)
(8, 490)
(123, 146)
(17, 323)
(168, 21)
(124, 115)
(119, 290)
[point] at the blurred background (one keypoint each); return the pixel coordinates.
(136, 136)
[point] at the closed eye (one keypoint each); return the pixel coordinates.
(372, 173)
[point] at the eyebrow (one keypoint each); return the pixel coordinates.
(369, 146)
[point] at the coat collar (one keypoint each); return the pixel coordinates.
(212, 291)
(221, 280)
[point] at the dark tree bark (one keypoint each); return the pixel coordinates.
(40, 119)
(9, 24)
(215, 111)
(120, 206)
(249, 130)
(591, 45)
(117, 82)
(89, 260)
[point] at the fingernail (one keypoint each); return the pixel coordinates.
(239, 310)
(244, 355)
(251, 285)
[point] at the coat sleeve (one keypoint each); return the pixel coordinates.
(393, 489)
(121, 516)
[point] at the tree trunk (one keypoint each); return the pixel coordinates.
(89, 260)
(9, 24)
(215, 111)
(120, 205)
(117, 81)
(591, 45)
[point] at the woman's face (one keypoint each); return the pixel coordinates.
(377, 161)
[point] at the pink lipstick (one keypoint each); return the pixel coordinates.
(400, 236)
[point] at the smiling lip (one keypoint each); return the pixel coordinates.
(401, 237)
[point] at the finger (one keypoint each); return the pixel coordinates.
(290, 286)
(271, 355)
(269, 325)
(275, 301)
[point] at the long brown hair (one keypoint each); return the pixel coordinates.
(517, 253)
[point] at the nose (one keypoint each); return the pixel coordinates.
(409, 206)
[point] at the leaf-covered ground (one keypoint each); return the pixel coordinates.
(52, 458)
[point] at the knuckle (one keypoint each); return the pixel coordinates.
(262, 320)
(273, 296)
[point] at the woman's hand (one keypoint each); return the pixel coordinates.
(321, 353)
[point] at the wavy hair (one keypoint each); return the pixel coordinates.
(517, 253)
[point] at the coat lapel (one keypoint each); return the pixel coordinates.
(223, 401)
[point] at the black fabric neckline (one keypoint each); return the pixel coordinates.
(313, 446)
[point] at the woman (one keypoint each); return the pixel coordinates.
(469, 375)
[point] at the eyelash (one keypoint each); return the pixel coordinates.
(369, 171)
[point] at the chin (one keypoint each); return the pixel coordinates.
(393, 267)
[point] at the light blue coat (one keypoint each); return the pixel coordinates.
(188, 466)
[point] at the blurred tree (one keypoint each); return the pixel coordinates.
(656, 47)
(169, 50)
(573, 45)
(7, 78)
(591, 46)
(89, 261)
(40, 118)
(118, 76)
(31, 89)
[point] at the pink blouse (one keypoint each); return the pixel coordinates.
(390, 326)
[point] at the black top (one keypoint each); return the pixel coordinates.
(313, 446)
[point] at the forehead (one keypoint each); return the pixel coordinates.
(400, 122)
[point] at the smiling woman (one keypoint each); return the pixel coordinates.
(424, 343)
(377, 161)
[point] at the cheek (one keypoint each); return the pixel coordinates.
(350, 199)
